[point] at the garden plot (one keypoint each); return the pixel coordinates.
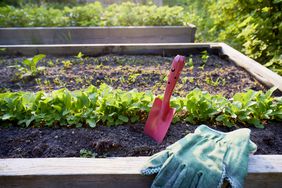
(145, 74)
(56, 122)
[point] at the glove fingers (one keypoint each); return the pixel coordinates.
(196, 180)
(189, 174)
(166, 173)
(176, 177)
(155, 163)
(180, 179)
(252, 147)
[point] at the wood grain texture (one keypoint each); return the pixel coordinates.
(97, 35)
(259, 71)
(264, 170)
(163, 49)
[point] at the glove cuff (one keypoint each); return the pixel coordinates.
(150, 171)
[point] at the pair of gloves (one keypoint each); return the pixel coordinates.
(203, 159)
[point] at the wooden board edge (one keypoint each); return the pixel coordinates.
(84, 35)
(147, 45)
(100, 49)
(98, 27)
(258, 164)
(263, 170)
(259, 71)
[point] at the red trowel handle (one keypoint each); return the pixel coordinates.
(176, 68)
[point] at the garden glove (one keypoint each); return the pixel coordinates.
(237, 155)
(202, 159)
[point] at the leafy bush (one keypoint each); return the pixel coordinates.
(110, 107)
(92, 14)
(84, 15)
(31, 16)
(20, 3)
(128, 14)
(251, 26)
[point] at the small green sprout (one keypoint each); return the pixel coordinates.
(204, 57)
(215, 83)
(67, 64)
(87, 153)
(80, 55)
(29, 66)
(191, 64)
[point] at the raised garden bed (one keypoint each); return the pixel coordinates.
(217, 76)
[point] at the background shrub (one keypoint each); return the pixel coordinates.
(253, 27)
(92, 14)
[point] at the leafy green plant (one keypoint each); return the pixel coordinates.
(250, 26)
(87, 153)
(219, 81)
(58, 82)
(191, 79)
(29, 66)
(204, 58)
(250, 108)
(84, 15)
(185, 79)
(32, 16)
(50, 63)
(129, 14)
(92, 14)
(106, 106)
(132, 77)
(190, 64)
(80, 55)
(78, 80)
(202, 107)
(67, 64)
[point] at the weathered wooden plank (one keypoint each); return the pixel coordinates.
(259, 71)
(77, 181)
(264, 170)
(97, 35)
(101, 49)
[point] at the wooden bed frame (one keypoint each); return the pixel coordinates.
(264, 170)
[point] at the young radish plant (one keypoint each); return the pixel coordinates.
(107, 106)
(29, 66)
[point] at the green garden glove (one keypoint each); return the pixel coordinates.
(202, 159)
(237, 155)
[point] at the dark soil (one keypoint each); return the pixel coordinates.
(216, 75)
(125, 140)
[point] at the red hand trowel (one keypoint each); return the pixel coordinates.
(161, 113)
